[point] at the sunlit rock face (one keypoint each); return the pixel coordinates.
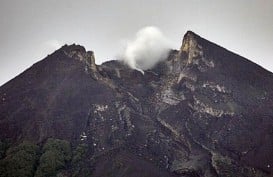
(203, 111)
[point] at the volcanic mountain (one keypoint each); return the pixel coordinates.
(202, 112)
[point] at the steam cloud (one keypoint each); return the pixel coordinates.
(148, 48)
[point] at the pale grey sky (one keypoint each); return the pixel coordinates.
(31, 29)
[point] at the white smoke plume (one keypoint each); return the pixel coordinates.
(148, 48)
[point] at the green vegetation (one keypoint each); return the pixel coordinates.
(79, 153)
(50, 160)
(19, 161)
(56, 154)
(78, 163)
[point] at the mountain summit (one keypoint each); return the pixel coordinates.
(202, 112)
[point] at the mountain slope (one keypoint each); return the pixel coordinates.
(204, 111)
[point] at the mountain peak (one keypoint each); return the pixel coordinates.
(191, 33)
(78, 52)
(73, 47)
(190, 46)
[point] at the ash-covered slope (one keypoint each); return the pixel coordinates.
(204, 111)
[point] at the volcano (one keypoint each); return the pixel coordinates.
(202, 112)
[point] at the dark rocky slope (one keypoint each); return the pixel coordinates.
(204, 111)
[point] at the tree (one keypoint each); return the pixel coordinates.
(56, 153)
(20, 161)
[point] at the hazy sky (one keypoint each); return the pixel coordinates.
(31, 29)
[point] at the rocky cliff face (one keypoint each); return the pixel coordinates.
(204, 111)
